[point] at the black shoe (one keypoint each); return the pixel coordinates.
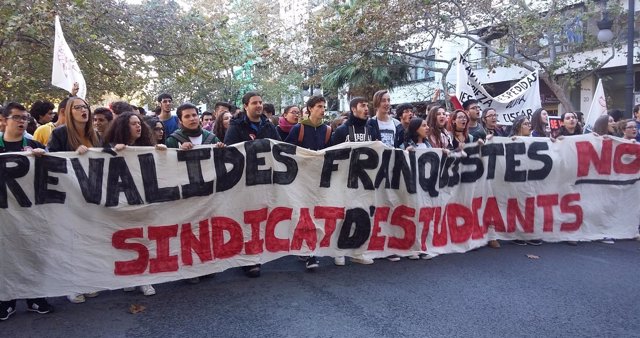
(519, 242)
(7, 308)
(534, 242)
(252, 271)
(39, 305)
(312, 263)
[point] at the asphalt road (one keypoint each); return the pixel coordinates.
(592, 290)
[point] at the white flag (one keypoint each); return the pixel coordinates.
(65, 68)
(597, 109)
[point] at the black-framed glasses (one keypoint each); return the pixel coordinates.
(80, 106)
(20, 118)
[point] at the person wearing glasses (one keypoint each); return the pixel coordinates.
(169, 121)
(522, 128)
(43, 133)
(474, 112)
(77, 134)
(288, 119)
(157, 128)
(490, 121)
(630, 130)
(16, 117)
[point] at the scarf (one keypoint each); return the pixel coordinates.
(192, 133)
(284, 124)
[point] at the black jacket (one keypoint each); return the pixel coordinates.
(355, 130)
(240, 130)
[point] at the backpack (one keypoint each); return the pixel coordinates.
(301, 134)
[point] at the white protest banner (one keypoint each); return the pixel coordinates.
(522, 98)
(598, 107)
(80, 223)
(65, 67)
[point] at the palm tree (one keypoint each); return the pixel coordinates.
(367, 74)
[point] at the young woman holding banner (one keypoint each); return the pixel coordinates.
(540, 123)
(129, 130)
(76, 135)
(570, 125)
(521, 127)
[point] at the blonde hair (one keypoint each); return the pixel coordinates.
(75, 136)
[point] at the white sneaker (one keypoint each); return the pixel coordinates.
(147, 290)
(339, 260)
(414, 257)
(393, 258)
(76, 298)
(129, 289)
(426, 256)
(91, 294)
(362, 260)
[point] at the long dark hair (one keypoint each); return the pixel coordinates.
(218, 126)
(517, 125)
(412, 131)
(151, 122)
(119, 132)
(563, 131)
(434, 129)
(536, 123)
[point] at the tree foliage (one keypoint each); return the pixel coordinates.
(509, 32)
(194, 52)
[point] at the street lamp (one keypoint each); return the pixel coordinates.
(605, 35)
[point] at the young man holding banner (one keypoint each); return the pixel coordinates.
(474, 112)
(355, 129)
(13, 140)
(249, 125)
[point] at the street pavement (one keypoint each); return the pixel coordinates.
(591, 290)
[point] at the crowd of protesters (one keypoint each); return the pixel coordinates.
(75, 127)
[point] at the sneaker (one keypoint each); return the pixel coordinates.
(339, 260)
(414, 257)
(494, 244)
(312, 263)
(519, 242)
(393, 258)
(252, 271)
(303, 258)
(362, 260)
(534, 242)
(92, 294)
(426, 256)
(194, 280)
(129, 289)
(607, 241)
(7, 309)
(148, 290)
(39, 305)
(76, 298)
